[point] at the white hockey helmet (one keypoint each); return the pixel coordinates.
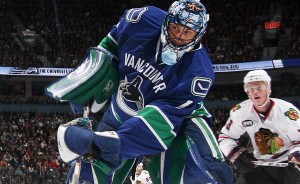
(188, 13)
(257, 75)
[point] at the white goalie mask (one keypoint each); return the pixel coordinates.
(187, 13)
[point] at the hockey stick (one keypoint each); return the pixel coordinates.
(76, 175)
(273, 164)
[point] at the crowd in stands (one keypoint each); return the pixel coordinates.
(68, 28)
(232, 24)
(289, 44)
(28, 148)
(11, 54)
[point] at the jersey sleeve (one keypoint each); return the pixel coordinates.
(293, 130)
(230, 133)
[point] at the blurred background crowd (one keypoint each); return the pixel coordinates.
(57, 33)
(66, 28)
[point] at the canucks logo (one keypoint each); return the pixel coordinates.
(292, 114)
(134, 15)
(129, 97)
(201, 86)
(194, 7)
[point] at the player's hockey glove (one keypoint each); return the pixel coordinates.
(294, 160)
(241, 159)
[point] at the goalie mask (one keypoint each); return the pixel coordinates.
(188, 13)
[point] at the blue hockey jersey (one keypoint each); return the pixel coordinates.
(153, 98)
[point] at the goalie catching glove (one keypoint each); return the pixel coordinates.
(95, 78)
(241, 159)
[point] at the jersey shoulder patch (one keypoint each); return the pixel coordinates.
(200, 86)
(134, 15)
(236, 107)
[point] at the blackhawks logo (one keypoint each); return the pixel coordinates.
(236, 107)
(292, 114)
(267, 141)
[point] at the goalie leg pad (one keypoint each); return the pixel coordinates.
(207, 169)
(87, 174)
(93, 174)
(182, 163)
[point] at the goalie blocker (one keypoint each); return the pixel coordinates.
(75, 141)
